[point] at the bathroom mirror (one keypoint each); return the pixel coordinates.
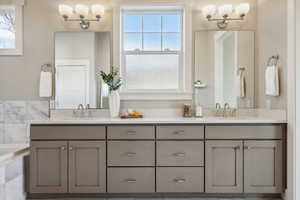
(224, 65)
(79, 57)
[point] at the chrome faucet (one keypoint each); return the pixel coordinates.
(80, 107)
(218, 108)
(226, 107)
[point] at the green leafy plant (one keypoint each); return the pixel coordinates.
(112, 79)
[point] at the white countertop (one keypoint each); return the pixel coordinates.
(164, 120)
(9, 152)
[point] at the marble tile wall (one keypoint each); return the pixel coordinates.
(14, 117)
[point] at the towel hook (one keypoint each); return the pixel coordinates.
(273, 60)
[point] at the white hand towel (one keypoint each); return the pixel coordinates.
(272, 81)
(46, 84)
(240, 85)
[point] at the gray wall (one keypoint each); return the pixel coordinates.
(19, 75)
(271, 40)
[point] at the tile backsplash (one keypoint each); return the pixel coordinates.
(14, 117)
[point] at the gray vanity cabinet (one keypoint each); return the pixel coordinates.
(49, 167)
(263, 166)
(51, 161)
(224, 166)
(87, 167)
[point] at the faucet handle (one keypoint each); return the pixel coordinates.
(226, 105)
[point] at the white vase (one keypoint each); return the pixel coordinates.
(114, 103)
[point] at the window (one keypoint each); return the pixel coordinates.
(10, 30)
(152, 51)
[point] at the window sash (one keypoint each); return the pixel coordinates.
(179, 52)
(162, 12)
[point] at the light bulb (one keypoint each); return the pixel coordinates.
(65, 10)
(225, 10)
(209, 10)
(97, 10)
(242, 9)
(82, 10)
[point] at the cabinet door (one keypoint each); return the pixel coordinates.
(87, 162)
(48, 167)
(263, 166)
(224, 167)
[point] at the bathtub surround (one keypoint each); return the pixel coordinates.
(14, 117)
(11, 171)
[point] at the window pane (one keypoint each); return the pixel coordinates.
(171, 23)
(152, 71)
(132, 41)
(171, 41)
(7, 28)
(152, 41)
(132, 23)
(152, 23)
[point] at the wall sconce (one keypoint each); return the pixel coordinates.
(224, 12)
(83, 12)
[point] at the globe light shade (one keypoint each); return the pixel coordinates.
(225, 10)
(65, 10)
(209, 10)
(97, 10)
(242, 9)
(82, 10)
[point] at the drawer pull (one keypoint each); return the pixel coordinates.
(179, 180)
(131, 132)
(179, 154)
(130, 180)
(130, 154)
(178, 132)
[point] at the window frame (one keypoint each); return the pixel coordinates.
(180, 53)
(18, 50)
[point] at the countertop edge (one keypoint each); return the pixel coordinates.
(157, 121)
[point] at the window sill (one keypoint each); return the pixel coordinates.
(156, 96)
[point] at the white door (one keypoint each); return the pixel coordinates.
(72, 84)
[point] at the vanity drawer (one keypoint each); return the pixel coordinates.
(130, 132)
(180, 179)
(131, 180)
(180, 153)
(244, 132)
(180, 132)
(66, 132)
(131, 153)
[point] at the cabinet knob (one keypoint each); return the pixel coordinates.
(71, 148)
(179, 154)
(247, 147)
(130, 154)
(130, 180)
(237, 147)
(179, 180)
(63, 148)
